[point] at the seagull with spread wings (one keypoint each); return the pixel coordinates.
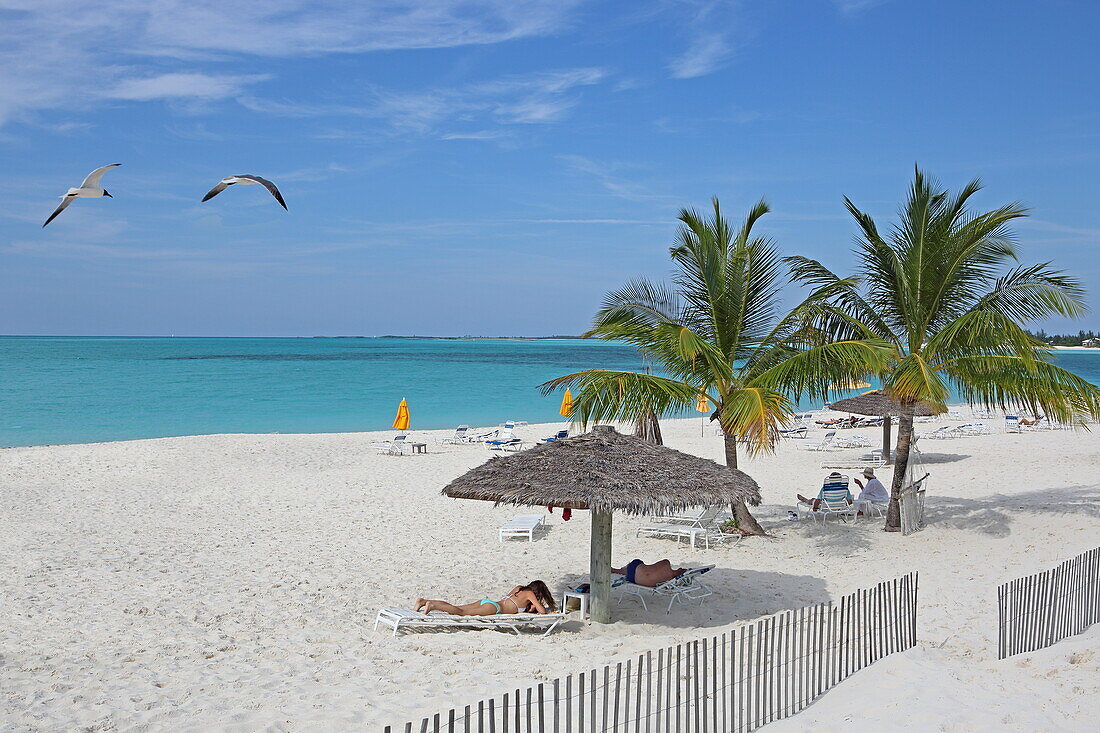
(246, 180)
(90, 189)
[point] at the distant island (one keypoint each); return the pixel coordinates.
(459, 338)
(1088, 339)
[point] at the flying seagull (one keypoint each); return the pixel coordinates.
(88, 190)
(246, 180)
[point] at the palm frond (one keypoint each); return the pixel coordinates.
(601, 395)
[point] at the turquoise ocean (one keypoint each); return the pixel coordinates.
(78, 390)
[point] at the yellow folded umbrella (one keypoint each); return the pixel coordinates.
(849, 384)
(566, 405)
(702, 404)
(401, 422)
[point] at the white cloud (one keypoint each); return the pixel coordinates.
(181, 85)
(855, 6)
(706, 53)
(708, 26)
(539, 98)
(56, 54)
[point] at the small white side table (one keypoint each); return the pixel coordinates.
(582, 597)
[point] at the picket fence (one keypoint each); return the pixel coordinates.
(755, 674)
(1040, 609)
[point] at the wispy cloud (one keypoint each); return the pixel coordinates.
(529, 99)
(55, 54)
(608, 177)
(708, 26)
(706, 53)
(855, 6)
(182, 86)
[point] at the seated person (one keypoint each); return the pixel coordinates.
(638, 573)
(834, 484)
(521, 599)
(874, 490)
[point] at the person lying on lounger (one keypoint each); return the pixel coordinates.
(534, 597)
(638, 573)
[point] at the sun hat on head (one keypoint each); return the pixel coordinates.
(868, 473)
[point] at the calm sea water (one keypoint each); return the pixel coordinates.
(75, 390)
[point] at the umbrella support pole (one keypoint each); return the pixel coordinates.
(600, 569)
(887, 422)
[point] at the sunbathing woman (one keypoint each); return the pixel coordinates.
(534, 596)
(638, 573)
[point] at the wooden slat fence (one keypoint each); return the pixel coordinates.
(1046, 607)
(739, 681)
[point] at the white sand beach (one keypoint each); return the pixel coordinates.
(229, 582)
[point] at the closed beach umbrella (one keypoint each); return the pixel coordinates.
(702, 404)
(401, 422)
(566, 405)
(605, 472)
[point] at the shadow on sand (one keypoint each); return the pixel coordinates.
(993, 515)
(739, 595)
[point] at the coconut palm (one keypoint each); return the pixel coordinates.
(944, 289)
(717, 330)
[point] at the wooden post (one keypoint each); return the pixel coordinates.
(600, 568)
(887, 423)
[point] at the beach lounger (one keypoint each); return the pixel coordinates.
(800, 432)
(461, 435)
(1012, 424)
(523, 525)
(685, 587)
(834, 497)
(691, 525)
(825, 443)
(873, 459)
(398, 619)
(393, 448)
(560, 435)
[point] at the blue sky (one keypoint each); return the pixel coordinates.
(492, 167)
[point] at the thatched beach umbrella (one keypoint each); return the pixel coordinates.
(604, 471)
(876, 404)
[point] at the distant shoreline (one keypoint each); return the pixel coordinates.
(1077, 348)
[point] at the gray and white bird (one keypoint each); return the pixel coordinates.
(245, 179)
(88, 190)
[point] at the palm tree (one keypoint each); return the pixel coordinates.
(717, 330)
(944, 289)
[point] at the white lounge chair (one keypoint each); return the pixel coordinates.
(873, 459)
(826, 443)
(461, 435)
(683, 588)
(398, 618)
(1012, 424)
(797, 432)
(693, 526)
(395, 447)
(523, 525)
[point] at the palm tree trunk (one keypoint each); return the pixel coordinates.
(648, 427)
(901, 463)
(746, 522)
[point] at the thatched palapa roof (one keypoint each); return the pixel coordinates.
(606, 471)
(877, 404)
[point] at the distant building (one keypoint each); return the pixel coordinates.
(1091, 343)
